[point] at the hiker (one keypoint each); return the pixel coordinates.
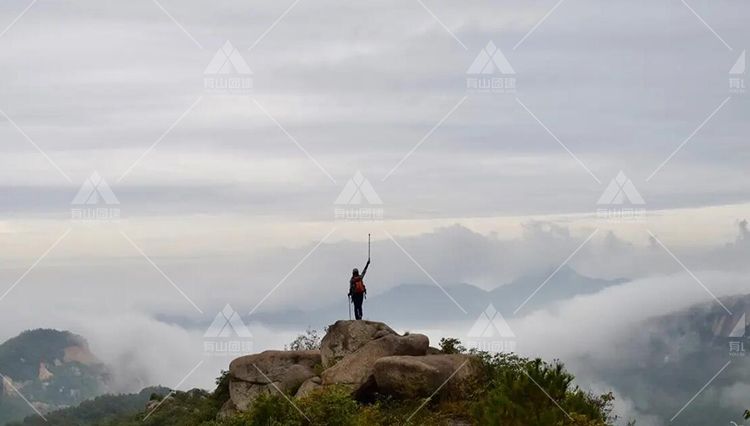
(357, 290)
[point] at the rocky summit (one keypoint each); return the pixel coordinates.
(366, 357)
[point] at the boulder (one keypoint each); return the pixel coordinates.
(243, 394)
(310, 385)
(275, 366)
(269, 371)
(226, 411)
(345, 337)
(355, 369)
(411, 377)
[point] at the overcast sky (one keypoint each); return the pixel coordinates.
(95, 84)
(228, 191)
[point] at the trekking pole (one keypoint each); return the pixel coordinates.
(368, 246)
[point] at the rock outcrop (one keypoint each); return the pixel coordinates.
(411, 377)
(44, 374)
(356, 368)
(364, 356)
(285, 371)
(310, 385)
(346, 337)
(227, 410)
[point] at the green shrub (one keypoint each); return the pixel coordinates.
(221, 393)
(331, 405)
(520, 392)
(388, 411)
(269, 410)
(450, 345)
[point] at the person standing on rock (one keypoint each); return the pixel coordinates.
(357, 290)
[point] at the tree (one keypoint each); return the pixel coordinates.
(308, 341)
(451, 345)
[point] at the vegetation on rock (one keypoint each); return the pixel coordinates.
(304, 342)
(511, 395)
(515, 391)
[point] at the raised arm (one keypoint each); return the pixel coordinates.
(364, 271)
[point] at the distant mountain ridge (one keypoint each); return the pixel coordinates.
(425, 304)
(663, 363)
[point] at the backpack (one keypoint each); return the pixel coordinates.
(359, 285)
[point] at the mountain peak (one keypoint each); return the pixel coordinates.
(51, 368)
